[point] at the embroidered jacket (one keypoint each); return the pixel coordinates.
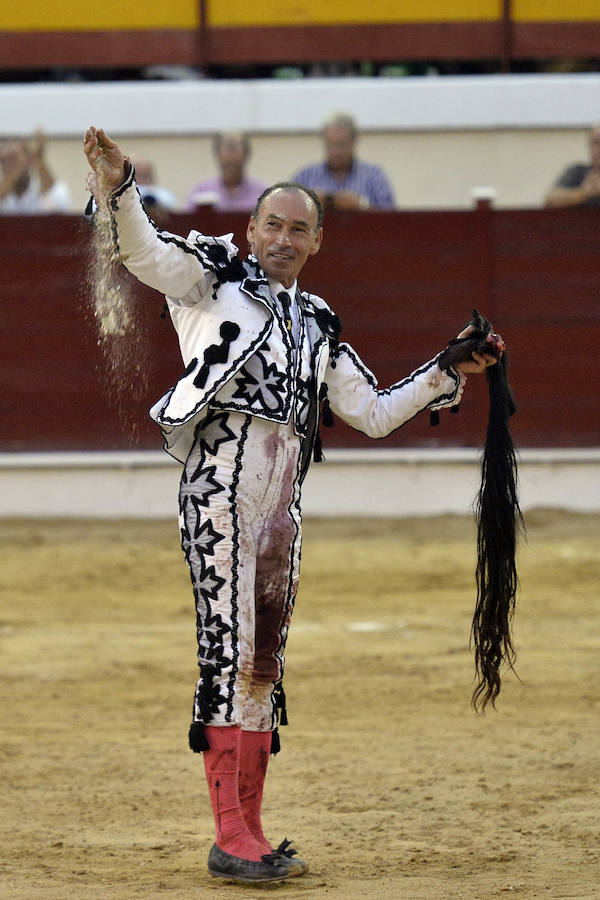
(276, 381)
(224, 316)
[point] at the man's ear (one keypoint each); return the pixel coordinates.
(250, 233)
(317, 243)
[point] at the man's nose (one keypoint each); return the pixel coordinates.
(284, 237)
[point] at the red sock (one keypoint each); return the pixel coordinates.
(255, 748)
(222, 765)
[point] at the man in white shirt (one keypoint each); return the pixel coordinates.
(27, 185)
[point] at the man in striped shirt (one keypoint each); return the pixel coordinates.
(342, 181)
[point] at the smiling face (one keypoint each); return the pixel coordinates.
(284, 234)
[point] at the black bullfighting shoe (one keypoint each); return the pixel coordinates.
(285, 855)
(234, 868)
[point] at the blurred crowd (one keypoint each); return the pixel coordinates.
(341, 178)
(27, 184)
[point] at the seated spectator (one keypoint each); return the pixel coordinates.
(342, 181)
(158, 201)
(232, 190)
(26, 183)
(579, 184)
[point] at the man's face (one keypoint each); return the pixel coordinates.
(595, 147)
(232, 159)
(284, 234)
(339, 147)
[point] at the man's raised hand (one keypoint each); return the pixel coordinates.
(105, 157)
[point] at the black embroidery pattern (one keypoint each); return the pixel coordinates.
(251, 286)
(208, 695)
(214, 431)
(215, 387)
(198, 540)
(255, 279)
(217, 353)
(235, 561)
(261, 385)
(214, 629)
(210, 632)
(207, 583)
(204, 482)
(302, 403)
(225, 269)
(205, 536)
(326, 319)
(210, 434)
(215, 258)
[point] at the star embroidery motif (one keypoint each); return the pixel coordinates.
(208, 585)
(210, 631)
(215, 432)
(205, 536)
(216, 653)
(205, 484)
(260, 384)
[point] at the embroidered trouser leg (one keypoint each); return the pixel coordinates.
(241, 535)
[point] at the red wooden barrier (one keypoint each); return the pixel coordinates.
(503, 41)
(402, 283)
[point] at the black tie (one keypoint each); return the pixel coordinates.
(284, 299)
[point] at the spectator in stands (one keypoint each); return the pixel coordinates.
(158, 201)
(342, 181)
(232, 190)
(579, 184)
(27, 185)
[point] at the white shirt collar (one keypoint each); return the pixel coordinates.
(276, 287)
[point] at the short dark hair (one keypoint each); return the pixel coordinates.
(290, 186)
(237, 137)
(341, 120)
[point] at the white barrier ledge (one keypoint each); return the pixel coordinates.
(378, 482)
(376, 456)
(274, 106)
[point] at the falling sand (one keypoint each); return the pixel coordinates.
(120, 334)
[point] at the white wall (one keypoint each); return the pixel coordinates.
(393, 482)
(436, 137)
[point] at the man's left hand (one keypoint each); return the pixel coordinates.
(479, 361)
(477, 364)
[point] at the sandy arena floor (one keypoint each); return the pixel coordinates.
(389, 785)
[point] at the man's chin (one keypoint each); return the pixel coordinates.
(280, 269)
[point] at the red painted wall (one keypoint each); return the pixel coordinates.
(402, 283)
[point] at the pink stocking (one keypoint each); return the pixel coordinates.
(255, 748)
(222, 767)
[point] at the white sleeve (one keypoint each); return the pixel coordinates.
(166, 262)
(353, 394)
